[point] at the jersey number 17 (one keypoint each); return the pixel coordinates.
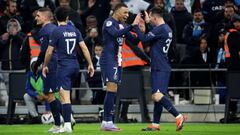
(71, 43)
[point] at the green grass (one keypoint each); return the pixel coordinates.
(128, 129)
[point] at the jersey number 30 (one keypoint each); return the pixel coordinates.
(71, 42)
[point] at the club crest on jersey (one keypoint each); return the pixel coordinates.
(109, 23)
(41, 39)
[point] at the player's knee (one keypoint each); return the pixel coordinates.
(50, 97)
(157, 96)
(64, 96)
(112, 87)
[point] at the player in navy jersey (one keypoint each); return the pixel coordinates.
(113, 32)
(160, 37)
(65, 39)
(44, 17)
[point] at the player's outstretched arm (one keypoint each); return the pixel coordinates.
(112, 30)
(48, 56)
(87, 57)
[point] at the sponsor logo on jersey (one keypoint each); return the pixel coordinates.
(121, 26)
(151, 34)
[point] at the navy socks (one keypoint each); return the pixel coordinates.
(108, 105)
(157, 111)
(169, 106)
(55, 109)
(67, 110)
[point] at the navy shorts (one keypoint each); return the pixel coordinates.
(50, 83)
(111, 73)
(65, 77)
(159, 81)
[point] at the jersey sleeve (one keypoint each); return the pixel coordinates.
(131, 37)
(44, 43)
(53, 38)
(150, 36)
(112, 30)
(79, 36)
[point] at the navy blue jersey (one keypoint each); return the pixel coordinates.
(65, 39)
(160, 38)
(44, 36)
(113, 33)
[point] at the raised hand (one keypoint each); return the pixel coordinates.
(136, 20)
(146, 18)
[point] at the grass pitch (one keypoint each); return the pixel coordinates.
(128, 129)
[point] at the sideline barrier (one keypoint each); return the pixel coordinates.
(17, 86)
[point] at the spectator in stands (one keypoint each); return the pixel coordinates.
(202, 59)
(210, 9)
(10, 45)
(74, 16)
(220, 60)
(220, 55)
(193, 31)
(100, 9)
(233, 44)
(224, 23)
(98, 94)
(34, 93)
(188, 4)
(196, 4)
(91, 22)
(232, 55)
(10, 12)
(182, 17)
(232, 3)
(74, 4)
(92, 39)
(29, 9)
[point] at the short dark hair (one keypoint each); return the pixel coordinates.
(197, 10)
(230, 6)
(61, 13)
(9, 1)
(118, 6)
(157, 11)
(46, 10)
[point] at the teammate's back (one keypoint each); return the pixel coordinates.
(66, 39)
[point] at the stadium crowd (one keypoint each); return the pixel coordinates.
(201, 35)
